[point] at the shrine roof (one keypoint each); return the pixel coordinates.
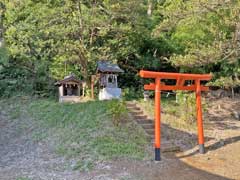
(106, 66)
(69, 78)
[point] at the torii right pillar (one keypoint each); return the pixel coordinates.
(180, 85)
(199, 118)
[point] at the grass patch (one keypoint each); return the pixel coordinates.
(84, 165)
(23, 178)
(85, 131)
(177, 115)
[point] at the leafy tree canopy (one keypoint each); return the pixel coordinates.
(207, 34)
(44, 40)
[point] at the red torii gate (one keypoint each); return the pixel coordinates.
(180, 81)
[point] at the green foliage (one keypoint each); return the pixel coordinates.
(3, 57)
(207, 34)
(23, 178)
(187, 102)
(131, 93)
(51, 39)
(179, 111)
(225, 82)
(46, 40)
(118, 111)
(85, 165)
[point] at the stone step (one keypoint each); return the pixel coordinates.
(150, 138)
(134, 110)
(133, 107)
(140, 117)
(136, 113)
(144, 121)
(149, 131)
(131, 104)
(148, 126)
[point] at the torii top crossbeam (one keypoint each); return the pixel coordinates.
(179, 77)
(166, 75)
(180, 85)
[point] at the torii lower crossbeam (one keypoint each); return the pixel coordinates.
(180, 85)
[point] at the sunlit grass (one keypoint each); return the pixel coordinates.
(23, 178)
(173, 113)
(83, 130)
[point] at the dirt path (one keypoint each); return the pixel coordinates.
(21, 157)
(223, 146)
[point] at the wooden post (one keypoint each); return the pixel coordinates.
(157, 119)
(92, 87)
(79, 90)
(199, 118)
(83, 88)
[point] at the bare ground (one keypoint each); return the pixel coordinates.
(20, 156)
(223, 141)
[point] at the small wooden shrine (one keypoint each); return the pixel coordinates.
(108, 80)
(70, 89)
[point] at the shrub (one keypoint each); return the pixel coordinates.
(187, 103)
(117, 109)
(131, 93)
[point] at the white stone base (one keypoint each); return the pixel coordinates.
(110, 93)
(72, 99)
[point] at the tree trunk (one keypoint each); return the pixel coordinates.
(2, 10)
(232, 92)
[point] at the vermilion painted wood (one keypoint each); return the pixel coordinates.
(199, 114)
(180, 80)
(157, 113)
(174, 88)
(166, 75)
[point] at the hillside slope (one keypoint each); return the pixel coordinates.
(41, 139)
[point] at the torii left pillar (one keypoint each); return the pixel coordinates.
(158, 119)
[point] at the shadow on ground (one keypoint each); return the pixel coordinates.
(175, 168)
(171, 167)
